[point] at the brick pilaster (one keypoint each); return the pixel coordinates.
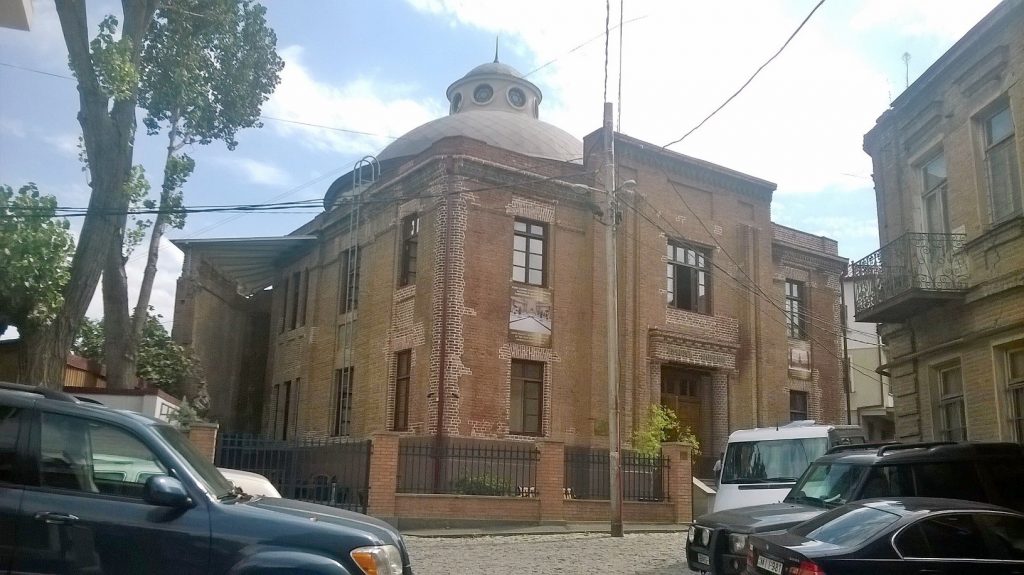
(551, 481)
(383, 475)
(680, 480)
(204, 436)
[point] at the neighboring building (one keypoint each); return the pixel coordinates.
(947, 284)
(870, 403)
(16, 14)
(151, 401)
(455, 285)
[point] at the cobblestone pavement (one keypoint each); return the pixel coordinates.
(635, 553)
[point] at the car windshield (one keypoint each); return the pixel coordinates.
(847, 526)
(770, 460)
(215, 482)
(827, 484)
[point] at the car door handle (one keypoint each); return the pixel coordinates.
(56, 518)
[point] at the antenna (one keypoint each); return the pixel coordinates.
(906, 67)
(496, 37)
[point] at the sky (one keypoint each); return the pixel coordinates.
(358, 74)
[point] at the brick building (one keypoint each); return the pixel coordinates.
(455, 285)
(947, 283)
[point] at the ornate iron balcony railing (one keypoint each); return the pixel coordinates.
(923, 263)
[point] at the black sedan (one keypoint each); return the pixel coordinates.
(896, 535)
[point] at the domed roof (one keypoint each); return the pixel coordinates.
(515, 132)
(495, 104)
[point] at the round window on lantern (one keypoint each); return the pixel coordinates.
(516, 97)
(483, 93)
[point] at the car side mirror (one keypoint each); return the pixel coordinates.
(166, 491)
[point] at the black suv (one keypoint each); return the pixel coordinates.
(986, 472)
(61, 512)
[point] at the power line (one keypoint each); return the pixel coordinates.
(751, 78)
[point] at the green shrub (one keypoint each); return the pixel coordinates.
(482, 485)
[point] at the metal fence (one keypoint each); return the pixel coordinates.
(329, 471)
(644, 478)
(467, 467)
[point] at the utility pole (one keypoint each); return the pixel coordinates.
(611, 281)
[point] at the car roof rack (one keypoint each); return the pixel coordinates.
(856, 446)
(918, 445)
(39, 390)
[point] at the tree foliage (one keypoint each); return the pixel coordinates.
(660, 425)
(35, 258)
(161, 362)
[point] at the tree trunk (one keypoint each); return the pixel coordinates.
(118, 354)
(108, 132)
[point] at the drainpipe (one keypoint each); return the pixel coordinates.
(846, 349)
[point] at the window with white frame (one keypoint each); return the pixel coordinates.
(1002, 165)
(952, 418)
(936, 217)
(1013, 368)
(688, 279)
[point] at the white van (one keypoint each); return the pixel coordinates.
(761, 465)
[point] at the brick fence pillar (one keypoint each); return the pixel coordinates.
(383, 476)
(551, 481)
(204, 436)
(680, 480)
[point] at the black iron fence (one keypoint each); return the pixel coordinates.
(644, 478)
(467, 467)
(329, 471)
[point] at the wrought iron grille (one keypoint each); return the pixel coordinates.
(931, 262)
(644, 478)
(329, 471)
(467, 467)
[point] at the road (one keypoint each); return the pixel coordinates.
(636, 553)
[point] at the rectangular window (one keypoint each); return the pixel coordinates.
(797, 405)
(293, 308)
(410, 239)
(1002, 165)
(528, 253)
(342, 409)
(403, 372)
(1014, 370)
(689, 280)
(348, 297)
(284, 305)
(303, 297)
(934, 199)
(795, 326)
(526, 395)
(952, 417)
(284, 400)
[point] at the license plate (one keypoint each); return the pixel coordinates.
(769, 565)
(702, 558)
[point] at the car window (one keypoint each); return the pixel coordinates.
(888, 481)
(1003, 534)
(827, 484)
(947, 536)
(1006, 477)
(846, 526)
(94, 457)
(957, 480)
(8, 440)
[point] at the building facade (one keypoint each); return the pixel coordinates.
(870, 395)
(454, 285)
(947, 285)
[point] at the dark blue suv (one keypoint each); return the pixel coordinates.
(64, 507)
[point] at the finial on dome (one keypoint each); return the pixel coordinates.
(496, 36)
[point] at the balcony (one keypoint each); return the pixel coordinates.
(909, 275)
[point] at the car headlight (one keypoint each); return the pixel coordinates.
(737, 543)
(378, 560)
(691, 533)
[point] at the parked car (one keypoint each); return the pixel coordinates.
(985, 472)
(88, 489)
(895, 536)
(250, 483)
(761, 465)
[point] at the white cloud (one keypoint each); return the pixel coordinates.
(369, 110)
(13, 127)
(257, 172)
(946, 19)
(65, 144)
